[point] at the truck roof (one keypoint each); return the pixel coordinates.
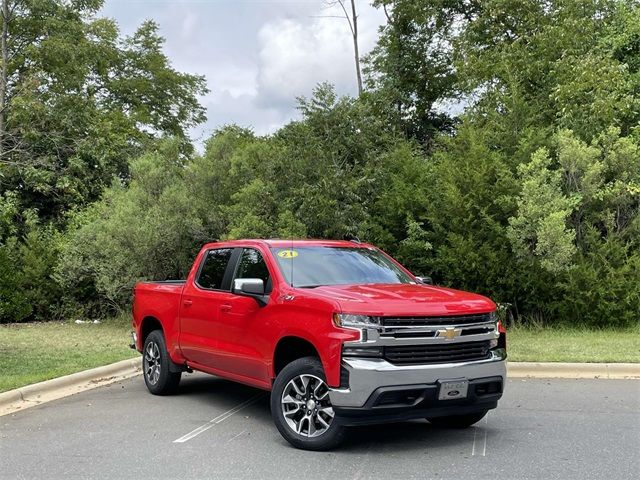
(279, 243)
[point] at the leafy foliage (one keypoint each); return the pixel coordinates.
(27, 287)
(531, 196)
(107, 252)
(81, 100)
(540, 228)
(411, 68)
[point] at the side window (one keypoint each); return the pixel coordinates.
(212, 271)
(252, 265)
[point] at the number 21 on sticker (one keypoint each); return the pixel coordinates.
(287, 254)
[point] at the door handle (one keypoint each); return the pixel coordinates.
(225, 307)
(187, 303)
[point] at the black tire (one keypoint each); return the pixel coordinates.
(311, 369)
(457, 421)
(155, 366)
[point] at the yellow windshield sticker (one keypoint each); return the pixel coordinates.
(287, 254)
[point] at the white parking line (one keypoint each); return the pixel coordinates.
(473, 448)
(486, 432)
(219, 419)
(484, 443)
(236, 436)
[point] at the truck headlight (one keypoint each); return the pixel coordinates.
(350, 320)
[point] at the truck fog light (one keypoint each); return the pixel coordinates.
(357, 351)
(493, 343)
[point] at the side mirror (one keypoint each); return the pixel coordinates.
(425, 280)
(251, 287)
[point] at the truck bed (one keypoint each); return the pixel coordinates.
(180, 282)
(160, 300)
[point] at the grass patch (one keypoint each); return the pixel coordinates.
(563, 344)
(33, 352)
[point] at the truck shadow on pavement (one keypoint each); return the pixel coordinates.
(384, 438)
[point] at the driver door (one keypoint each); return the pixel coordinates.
(241, 319)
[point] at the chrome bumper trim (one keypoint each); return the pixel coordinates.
(368, 374)
(424, 335)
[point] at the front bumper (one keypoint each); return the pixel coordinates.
(377, 388)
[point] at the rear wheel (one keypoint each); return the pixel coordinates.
(457, 421)
(301, 407)
(155, 366)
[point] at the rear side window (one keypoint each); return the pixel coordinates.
(252, 265)
(213, 268)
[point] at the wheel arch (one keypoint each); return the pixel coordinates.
(290, 348)
(148, 325)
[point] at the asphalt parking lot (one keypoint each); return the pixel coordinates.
(542, 429)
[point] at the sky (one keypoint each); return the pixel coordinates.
(257, 55)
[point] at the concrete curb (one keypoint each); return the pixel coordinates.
(39, 393)
(620, 371)
(42, 392)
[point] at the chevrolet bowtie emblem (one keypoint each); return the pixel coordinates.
(449, 333)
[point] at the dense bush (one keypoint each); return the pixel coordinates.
(28, 289)
(146, 230)
(556, 237)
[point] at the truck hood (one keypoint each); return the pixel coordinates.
(403, 300)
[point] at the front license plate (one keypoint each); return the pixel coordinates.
(453, 390)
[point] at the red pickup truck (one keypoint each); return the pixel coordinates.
(338, 331)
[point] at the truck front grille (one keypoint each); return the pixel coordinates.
(391, 322)
(437, 353)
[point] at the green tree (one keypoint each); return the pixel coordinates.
(335, 172)
(411, 70)
(540, 228)
(469, 192)
(536, 64)
(78, 101)
(533, 198)
(107, 252)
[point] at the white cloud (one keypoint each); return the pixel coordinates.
(237, 79)
(295, 55)
(189, 24)
(223, 109)
(257, 56)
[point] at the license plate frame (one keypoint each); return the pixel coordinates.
(453, 389)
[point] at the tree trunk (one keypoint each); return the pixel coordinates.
(356, 51)
(3, 72)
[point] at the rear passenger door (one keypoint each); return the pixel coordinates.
(200, 307)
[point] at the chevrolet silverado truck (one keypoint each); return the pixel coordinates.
(338, 331)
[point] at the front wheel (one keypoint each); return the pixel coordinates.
(301, 407)
(155, 366)
(457, 421)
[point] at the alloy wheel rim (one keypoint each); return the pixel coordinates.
(152, 363)
(306, 406)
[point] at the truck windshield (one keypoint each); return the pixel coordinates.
(309, 267)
